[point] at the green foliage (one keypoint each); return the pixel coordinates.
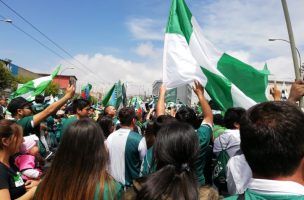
(20, 80)
(6, 78)
(52, 89)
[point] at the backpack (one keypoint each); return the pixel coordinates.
(219, 171)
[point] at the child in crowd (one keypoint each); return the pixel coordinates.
(26, 160)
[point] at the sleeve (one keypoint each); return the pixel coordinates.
(4, 183)
(24, 162)
(31, 173)
(142, 148)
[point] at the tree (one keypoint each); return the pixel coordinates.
(19, 79)
(6, 78)
(52, 89)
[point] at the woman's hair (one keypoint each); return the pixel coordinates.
(9, 128)
(175, 151)
(106, 124)
(209, 193)
(79, 165)
(232, 116)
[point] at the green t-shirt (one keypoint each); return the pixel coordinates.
(107, 193)
(147, 166)
(251, 195)
(204, 136)
(26, 123)
(66, 122)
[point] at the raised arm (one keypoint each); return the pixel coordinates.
(296, 91)
(199, 91)
(160, 107)
(276, 93)
(39, 117)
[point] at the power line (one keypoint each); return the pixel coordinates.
(49, 39)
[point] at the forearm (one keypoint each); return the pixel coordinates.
(208, 116)
(29, 194)
(49, 110)
(160, 107)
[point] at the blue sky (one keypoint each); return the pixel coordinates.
(124, 39)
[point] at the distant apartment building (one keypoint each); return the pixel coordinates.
(183, 93)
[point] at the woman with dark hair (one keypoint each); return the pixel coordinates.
(106, 124)
(175, 151)
(11, 184)
(79, 168)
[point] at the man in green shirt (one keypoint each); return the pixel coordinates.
(272, 141)
(21, 110)
(81, 109)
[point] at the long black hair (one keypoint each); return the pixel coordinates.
(175, 151)
(79, 165)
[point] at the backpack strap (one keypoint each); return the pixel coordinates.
(241, 197)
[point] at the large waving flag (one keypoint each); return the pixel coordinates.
(34, 87)
(188, 55)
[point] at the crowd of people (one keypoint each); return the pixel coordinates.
(67, 150)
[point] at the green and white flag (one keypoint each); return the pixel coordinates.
(34, 87)
(115, 96)
(189, 56)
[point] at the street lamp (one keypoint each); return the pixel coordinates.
(7, 20)
(273, 39)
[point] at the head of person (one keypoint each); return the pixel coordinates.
(233, 116)
(176, 149)
(11, 136)
(2, 101)
(161, 121)
(39, 99)
(81, 107)
(79, 165)
(92, 111)
(188, 115)
(30, 145)
(110, 111)
(20, 107)
(106, 124)
(218, 119)
(126, 116)
(272, 140)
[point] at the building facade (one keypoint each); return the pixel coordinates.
(183, 93)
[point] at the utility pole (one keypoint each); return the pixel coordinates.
(292, 46)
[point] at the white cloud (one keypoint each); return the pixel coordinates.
(148, 50)
(146, 29)
(104, 70)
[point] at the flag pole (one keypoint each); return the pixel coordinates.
(292, 46)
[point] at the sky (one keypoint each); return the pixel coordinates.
(113, 40)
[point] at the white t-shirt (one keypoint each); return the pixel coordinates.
(230, 141)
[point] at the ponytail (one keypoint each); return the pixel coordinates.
(178, 183)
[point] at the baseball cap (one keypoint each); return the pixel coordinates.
(17, 103)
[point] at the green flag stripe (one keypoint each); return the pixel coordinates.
(106, 98)
(246, 78)
(219, 89)
(180, 19)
